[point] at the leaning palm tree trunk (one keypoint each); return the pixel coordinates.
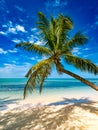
(61, 69)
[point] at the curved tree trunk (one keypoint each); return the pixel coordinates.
(61, 69)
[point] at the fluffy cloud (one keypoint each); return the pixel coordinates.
(34, 29)
(3, 33)
(34, 39)
(76, 51)
(12, 51)
(20, 28)
(16, 29)
(14, 71)
(16, 40)
(38, 42)
(12, 28)
(36, 58)
(2, 51)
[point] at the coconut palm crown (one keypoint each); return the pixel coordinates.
(57, 45)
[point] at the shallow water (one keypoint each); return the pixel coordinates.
(13, 88)
(54, 90)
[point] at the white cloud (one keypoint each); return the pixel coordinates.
(34, 29)
(14, 71)
(12, 30)
(12, 51)
(33, 39)
(3, 33)
(16, 40)
(2, 51)
(20, 28)
(76, 51)
(44, 57)
(38, 42)
(16, 28)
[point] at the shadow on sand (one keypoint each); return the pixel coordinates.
(66, 101)
(49, 119)
(4, 102)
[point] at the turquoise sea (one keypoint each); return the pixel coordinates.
(13, 87)
(11, 90)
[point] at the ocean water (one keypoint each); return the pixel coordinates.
(13, 88)
(11, 92)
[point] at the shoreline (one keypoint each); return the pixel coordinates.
(7, 104)
(69, 107)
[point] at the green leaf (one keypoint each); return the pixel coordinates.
(34, 48)
(38, 66)
(37, 74)
(78, 39)
(82, 64)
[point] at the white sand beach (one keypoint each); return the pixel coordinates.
(51, 113)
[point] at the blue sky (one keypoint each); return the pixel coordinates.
(18, 23)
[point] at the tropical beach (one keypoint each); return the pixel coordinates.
(74, 106)
(48, 65)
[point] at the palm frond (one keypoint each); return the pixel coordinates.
(31, 82)
(35, 48)
(82, 64)
(46, 71)
(37, 77)
(52, 36)
(42, 19)
(45, 30)
(63, 25)
(78, 39)
(43, 25)
(66, 22)
(38, 66)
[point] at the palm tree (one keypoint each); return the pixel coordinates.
(57, 45)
